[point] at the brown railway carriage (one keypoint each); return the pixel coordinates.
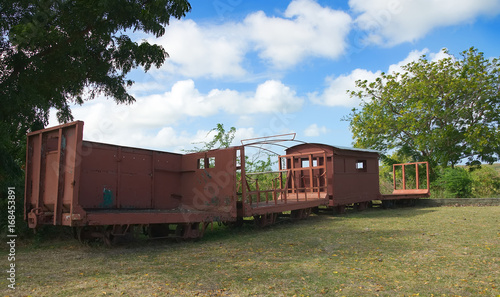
(106, 190)
(352, 174)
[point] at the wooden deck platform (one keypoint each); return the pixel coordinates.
(293, 201)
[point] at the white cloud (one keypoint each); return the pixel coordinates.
(313, 130)
(213, 51)
(307, 29)
(414, 56)
(151, 119)
(273, 96)
(185, 100)
(393, 22)
(171, 137)
(336, 92)
(439, 55)
(244, 133)
(209, 50)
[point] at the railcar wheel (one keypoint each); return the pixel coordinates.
(83, 234)
(180, 231)
(260, 220)
(362, 206)
(339, 209)
(387, 204)
(187, 231)
(158, 230)
(238, 223)
(87, 234)
(265, 219)
(296, 214)
(107, 237)
(300, 214)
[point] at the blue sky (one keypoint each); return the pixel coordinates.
(274, 67)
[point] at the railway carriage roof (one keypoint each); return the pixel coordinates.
(334, 147)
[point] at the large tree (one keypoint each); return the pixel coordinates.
(57, 52)
(440, 111)
(54, 50)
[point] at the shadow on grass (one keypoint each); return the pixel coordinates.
(55, 236)
(382, 213)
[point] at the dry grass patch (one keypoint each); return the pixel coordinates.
(443, 251)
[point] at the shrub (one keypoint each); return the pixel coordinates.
(485, 182)
(455, 183)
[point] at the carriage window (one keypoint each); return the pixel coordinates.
(284, 162)
(201, 163)
(305, 163)
(238, 158)
(361, 165)
(211, 162)
(206, 163)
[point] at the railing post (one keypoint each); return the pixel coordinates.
(311, 181)
(404, 177)
(257, 189)
(319, 186)
(293, 174)
(274, 192)
(428, 181)
(416, 176)
(243, 178)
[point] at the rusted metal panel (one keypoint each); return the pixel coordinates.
(136, 176)
(99, 176)
(52, 168)
(209, 181)
(128, 178)
(355, 183)
(167, 180)
(32, 174)
(74, 182)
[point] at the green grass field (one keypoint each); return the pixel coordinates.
(446, 251)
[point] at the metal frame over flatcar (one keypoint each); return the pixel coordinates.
(288, 191)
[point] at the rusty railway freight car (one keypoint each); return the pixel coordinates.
(104, 190)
